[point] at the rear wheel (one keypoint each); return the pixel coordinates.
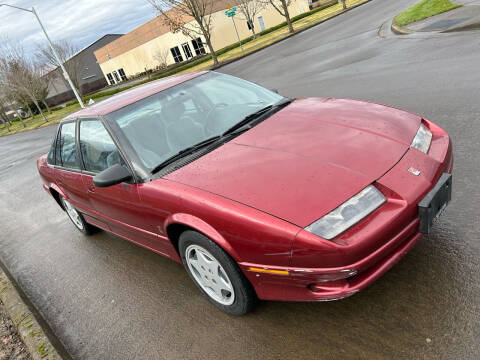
(77, 218)
(216, 274)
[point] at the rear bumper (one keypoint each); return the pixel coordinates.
(323, 284)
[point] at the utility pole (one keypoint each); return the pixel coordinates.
(65, 74)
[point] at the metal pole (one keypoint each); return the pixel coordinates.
(235, 26)
(79, 99)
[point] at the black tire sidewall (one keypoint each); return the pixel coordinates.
(245, 296)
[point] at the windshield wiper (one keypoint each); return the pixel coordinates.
(185, 152)
(249, 118)
(230, 131)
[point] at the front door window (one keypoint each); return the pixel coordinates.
(99, 152)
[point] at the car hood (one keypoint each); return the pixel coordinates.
(306, 159)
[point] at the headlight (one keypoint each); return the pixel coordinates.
(422, 140)
(347, 214)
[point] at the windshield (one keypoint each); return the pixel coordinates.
(172, 120)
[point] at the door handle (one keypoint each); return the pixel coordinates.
(90, 188)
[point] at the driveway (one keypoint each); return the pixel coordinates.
(106, 298)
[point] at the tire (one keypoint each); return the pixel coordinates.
(77, 218)
(223, 283)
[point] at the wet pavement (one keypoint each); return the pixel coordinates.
(106, 298)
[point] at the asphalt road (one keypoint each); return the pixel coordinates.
(106, 298)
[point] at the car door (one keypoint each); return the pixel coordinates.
(68, 174)
(117, 205)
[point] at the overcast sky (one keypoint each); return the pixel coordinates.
(81, 21)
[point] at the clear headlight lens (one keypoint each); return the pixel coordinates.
(347, 214)
(422, 140)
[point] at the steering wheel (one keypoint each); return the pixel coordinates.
(209, 120)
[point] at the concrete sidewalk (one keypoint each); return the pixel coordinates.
(466, 17)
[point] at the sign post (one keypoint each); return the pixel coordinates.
(231, 13)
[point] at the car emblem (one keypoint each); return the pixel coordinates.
(414, 171)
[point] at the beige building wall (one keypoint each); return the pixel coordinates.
(223, 33)
(142, 57)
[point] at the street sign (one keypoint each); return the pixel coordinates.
(231, 12)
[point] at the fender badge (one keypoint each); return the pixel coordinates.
(414, 171)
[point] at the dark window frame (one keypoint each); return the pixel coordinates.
(122, 74)
(176, 53)
(198, 47)
(110, 79)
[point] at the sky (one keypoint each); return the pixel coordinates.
(79, 21)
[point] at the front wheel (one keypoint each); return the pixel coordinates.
(216, 274)
(77, 218)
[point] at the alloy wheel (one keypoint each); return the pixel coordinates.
(209, 274)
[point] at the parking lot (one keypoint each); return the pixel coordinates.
(105, 298)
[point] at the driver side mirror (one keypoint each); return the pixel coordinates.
(114, 175)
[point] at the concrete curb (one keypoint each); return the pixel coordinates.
(399, 30)
(27, 325)
(287, 37)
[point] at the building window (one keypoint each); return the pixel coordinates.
(187, 51)
(249, 25)
(122, 74)
(177, 55)
(115, 75)
(198, 46)
(110, 79)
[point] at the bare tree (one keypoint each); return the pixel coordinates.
(42, 85)
(282, 8)
(191, 17)
(66, 51)
(11, 97)
(161, 56)
(18, 74)
(249, 10)
(3, 114)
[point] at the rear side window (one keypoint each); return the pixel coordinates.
(51, 153)
(99, 152)
(66, 147)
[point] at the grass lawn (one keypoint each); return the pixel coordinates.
(253, 45)
(424, 9)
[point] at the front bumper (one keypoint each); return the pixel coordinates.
(324, 284)
(370, 248)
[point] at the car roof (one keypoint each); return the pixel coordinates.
(130, 96)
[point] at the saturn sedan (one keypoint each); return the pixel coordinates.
(258, 195)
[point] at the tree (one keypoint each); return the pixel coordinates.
(344, 4)
(11, 97)
(66, 52)
(161, 56)
(3, 114)
(249, 10)
(191, 17)
(282, 8)
(19, 75)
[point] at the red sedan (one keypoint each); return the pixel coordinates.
(258, 195)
